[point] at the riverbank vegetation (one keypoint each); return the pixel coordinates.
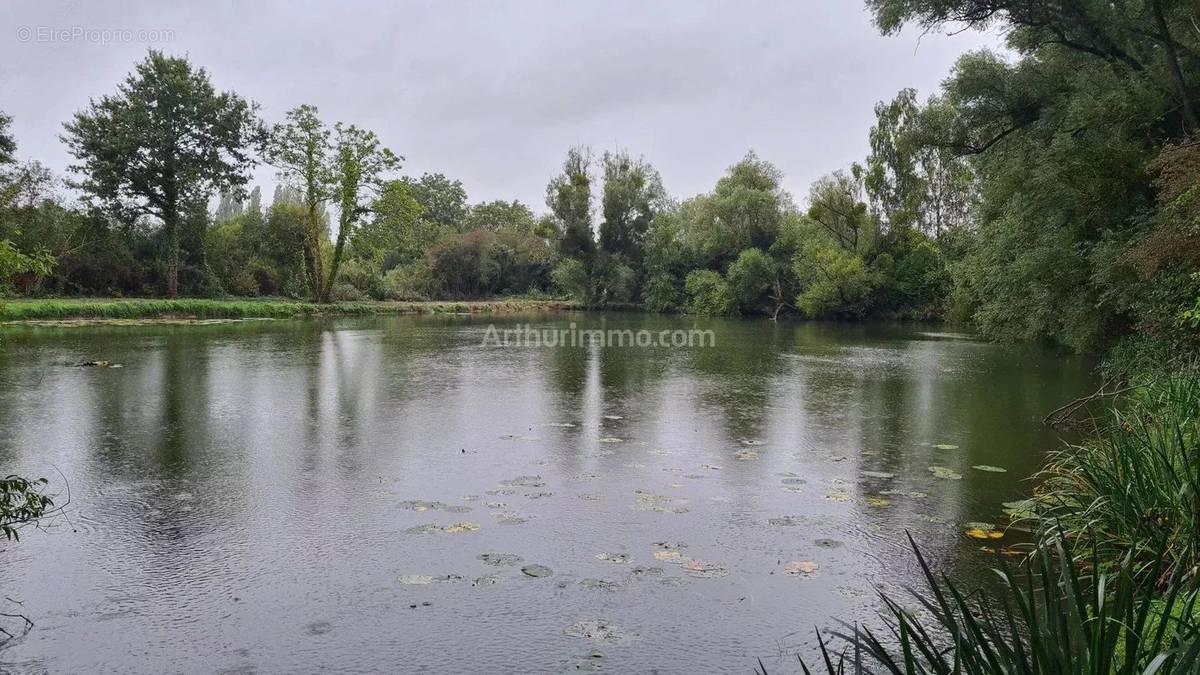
(1047, 192)
(199, 308)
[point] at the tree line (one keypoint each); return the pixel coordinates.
(1046, 193)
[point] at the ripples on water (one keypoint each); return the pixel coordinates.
(317, 495)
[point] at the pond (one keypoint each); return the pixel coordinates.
(392, 494)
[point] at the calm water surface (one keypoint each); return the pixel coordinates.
(281, 496)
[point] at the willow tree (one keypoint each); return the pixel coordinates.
(164, 142)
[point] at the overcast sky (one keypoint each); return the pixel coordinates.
(493, 93)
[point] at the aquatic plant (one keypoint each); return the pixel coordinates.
(1135, 485)
(1048, 615)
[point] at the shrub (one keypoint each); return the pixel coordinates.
(413, 281)
(707, 293)
(660, 293)
(344, 292)
(464, 265)
(749, 278)
(570, 276)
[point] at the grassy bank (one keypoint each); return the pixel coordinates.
(100, 308)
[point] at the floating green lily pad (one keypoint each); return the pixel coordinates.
(877, 474)
(946, 446)
(989, 468)
(945, 472)
(524, 481)
(537, 571)
(599, 584)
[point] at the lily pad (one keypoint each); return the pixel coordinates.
(416, 579)
(878, 502)
(877, 474)
(508, 518)
(647, 572)
(648, 501)
(946, 446)
(945, 472)
(745, 455)
(837, 496)
(599, 584)
(977, 533)
(611, 439)
(989, 468)
(801, 568)
(537, 571)
(904, 493)
(619, 558)
(977, 525)
(423, 579)
(524, 481)
(1022, 508)
(670, 556)
(461, 527)
(788, 521)
(499, 559)
(703, 570)
(597, 630)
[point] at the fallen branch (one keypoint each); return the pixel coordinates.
(1063, 413)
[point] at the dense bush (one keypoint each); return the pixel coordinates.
(707, 294)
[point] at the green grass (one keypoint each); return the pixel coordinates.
(52, 309)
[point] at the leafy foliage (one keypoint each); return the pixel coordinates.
(22, 501)
(164, 142)
(1047, 617)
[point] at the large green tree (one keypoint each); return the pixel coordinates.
(360, 165)
(301, 150)
(444, 200)
(166, 140)
(633, 193)
(569, 197)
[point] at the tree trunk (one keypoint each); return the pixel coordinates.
(312, 253)
(327, 289)
(1189, 113)
(171, 223)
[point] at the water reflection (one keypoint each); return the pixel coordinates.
(238, 485)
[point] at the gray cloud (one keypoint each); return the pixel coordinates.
(493, 93)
